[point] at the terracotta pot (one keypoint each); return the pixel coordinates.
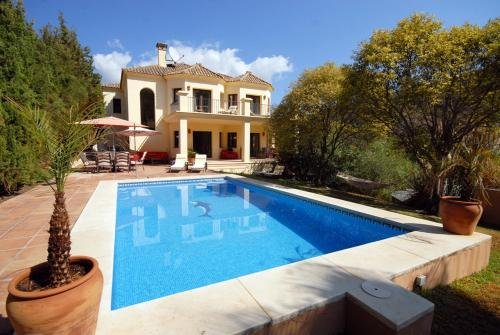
(491, 214)
(459, 217)
(69, 309)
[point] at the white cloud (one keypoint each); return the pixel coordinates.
(110, 65)
(212, 56)
(115, 44)
(227, 61)
(147, 58)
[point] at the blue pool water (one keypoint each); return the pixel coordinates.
(179, 235)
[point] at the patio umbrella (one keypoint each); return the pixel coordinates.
(137, 131)
(111, 121)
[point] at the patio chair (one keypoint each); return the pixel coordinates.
(89, 165)
(232, 110)
(277, 172)
(180, 163)
(134, 163)
(200, 163)
(104, 161)
(122, 160)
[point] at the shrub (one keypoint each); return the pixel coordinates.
(382, 162)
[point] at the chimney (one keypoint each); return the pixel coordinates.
(162, 54)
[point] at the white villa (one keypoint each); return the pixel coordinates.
(194, 108)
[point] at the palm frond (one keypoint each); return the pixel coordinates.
(61, 136)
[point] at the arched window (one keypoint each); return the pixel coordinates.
(148, 108)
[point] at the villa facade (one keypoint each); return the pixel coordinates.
(194, 108)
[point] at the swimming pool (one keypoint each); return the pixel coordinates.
(173, 236)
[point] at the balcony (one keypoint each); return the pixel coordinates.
(222, 107)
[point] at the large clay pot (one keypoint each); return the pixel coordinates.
(491, 214)
(459, 217)
(69, 309)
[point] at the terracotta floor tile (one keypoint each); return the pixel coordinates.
(8, 224)
(39, 240)
(6, 256)
(19, 232)
(13, 243)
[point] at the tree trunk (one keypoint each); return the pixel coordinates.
(59, 243)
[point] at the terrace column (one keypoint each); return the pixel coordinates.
(245, 104)
(246, 142)
(183, 136)
(183, 105)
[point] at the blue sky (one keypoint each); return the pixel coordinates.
(275, 39)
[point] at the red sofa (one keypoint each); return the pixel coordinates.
(226, 154)
(151, 156)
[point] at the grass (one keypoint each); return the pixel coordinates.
(470, 305)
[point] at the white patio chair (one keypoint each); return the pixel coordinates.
(180, 163)
(200, 163)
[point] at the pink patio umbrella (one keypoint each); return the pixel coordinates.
(111, 121)
(137, 131)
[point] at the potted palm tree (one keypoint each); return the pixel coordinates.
(61, 295)
(462, 178)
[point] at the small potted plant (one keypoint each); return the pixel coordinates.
(191, 156)
(61, 295)
(459, 207)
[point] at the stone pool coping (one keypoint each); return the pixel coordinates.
(255, 302)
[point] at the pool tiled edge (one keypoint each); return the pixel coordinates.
(266, 302)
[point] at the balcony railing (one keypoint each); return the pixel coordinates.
(259, 109)
(216, 106)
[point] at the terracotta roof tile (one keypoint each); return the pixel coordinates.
(225, 76)
(196, 70)
(249, 77)
(157, 70)
(111, 85)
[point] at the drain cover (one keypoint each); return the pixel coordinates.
(375, 289)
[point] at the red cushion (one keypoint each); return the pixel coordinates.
(226, 154)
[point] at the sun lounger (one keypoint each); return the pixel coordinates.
(180, 163)
(200, 163)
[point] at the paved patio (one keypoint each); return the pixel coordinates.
(24, 221)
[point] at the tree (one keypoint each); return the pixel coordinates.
(18, 58)
(430, 87)
(52, 71)
(60, 140)
(70, 68)
(313, 122)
